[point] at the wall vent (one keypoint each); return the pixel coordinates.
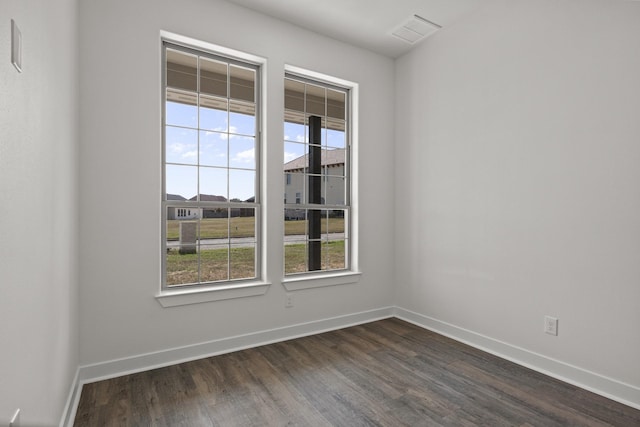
(415, 29)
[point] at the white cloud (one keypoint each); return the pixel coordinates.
(232, 131)
(246, 156)
(220, 132)
(289, 156)
(190, 154)
(180, 148)
(298, 138)
(224, 133)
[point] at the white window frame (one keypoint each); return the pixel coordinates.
(221, 290)
(351, 274)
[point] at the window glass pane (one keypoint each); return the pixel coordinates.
(213, 148)
(243, 83)
(181, 268)
(242, 152)
(214, 263)
(181, 145)
(333, 159)
(242, 119)
(335, 224)
(334, 190)
(295, 190)
(294, 131)
(181, 258)
(293, 95)
(315, 100)
(294, 214)
(295, 256)
(213, 184)
(213, 77)
(333, 255)
(172, 229)
(242, 261)
(181, 181)
(181, 109)
(213, 114)
(324, 223)
(182, 70)
(214, 226)
(335, 138)
(242, 226)
(294, 156)
(295, 226)
(336, 104)
(242, 185)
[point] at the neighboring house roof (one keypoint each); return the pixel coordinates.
(329, 158)
(208, 198)
(175, 197)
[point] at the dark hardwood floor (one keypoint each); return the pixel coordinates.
(387, 373)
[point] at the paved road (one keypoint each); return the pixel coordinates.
(241, 242)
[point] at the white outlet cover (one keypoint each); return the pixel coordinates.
(16, 46)
(551, 325)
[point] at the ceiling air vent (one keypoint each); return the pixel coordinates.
(415, 28)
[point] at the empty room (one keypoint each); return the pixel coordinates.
(316, 213)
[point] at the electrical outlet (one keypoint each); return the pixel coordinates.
(550, 325)
(15, 420)
(288, 302)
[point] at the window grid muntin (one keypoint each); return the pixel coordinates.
(255, 205)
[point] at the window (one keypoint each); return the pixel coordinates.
(210, 199)
(317, 167)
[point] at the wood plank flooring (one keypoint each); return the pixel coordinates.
(385, 373)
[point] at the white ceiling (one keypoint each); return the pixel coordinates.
(364, 23)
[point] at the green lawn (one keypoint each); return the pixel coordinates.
(219, 228)
(214, 265)
(295, 257)
(240, 262)
(297, 227)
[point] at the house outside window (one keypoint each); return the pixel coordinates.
(210, 198)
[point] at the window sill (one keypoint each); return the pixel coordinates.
(308, 281)
(173, 298)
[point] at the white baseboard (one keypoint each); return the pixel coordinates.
(71, 406)
(626, 394)
(144, 362)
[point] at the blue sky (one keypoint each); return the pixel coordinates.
(224, 139)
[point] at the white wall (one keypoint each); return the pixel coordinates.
(518, 180)
(38, 212)
(120, 166)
